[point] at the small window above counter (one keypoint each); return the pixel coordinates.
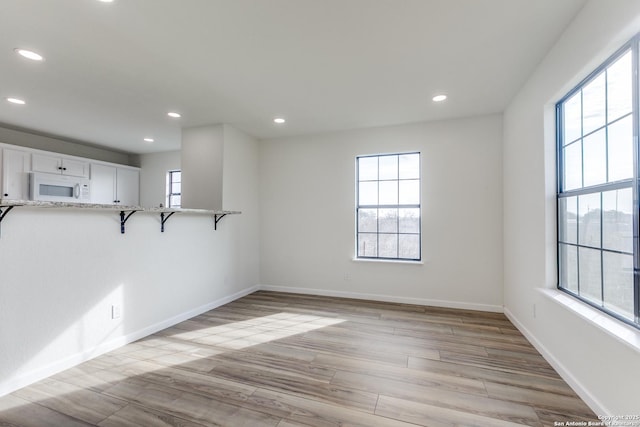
(125, 212)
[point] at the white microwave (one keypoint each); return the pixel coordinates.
(50, 187)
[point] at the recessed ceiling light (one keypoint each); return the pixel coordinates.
(174, 114)
(16, 101)
(29, 54)
(148, 140)
(279, 120)
(106, 1)
(439, 98)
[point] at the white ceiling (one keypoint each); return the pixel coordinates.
(113, 70)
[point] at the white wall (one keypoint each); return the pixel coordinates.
(241, 192)
(63, 269)
(202, 167)
(307, 197)
(603, 369)
(153, 176)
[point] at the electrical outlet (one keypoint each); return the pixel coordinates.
(347, 277)
(116, 311)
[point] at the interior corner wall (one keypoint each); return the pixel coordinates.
(602, 369)
(307, 225)
(240, 192)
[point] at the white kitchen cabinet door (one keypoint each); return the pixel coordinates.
(75, 168)
(15, 174)
(103, 184)
(48, 164)
(60, 165)
(128, 187)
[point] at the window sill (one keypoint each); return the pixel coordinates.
(624, 333)
(387, 261)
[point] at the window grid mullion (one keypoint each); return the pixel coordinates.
(378, 213)
(582, 136)
(600, 249)
(635, 108)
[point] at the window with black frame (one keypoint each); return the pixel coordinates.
(597, 188)
(174, 188)
(388, 207)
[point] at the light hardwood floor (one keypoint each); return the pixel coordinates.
(275, 359)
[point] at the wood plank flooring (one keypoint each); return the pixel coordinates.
(275, 359)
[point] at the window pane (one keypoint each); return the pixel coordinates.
(176, 176)
(388, 167)
(175, 201)
(617, 227)
(388, 246)
(410, 192)
(619, 87)
(388, 221)
(409, 220)
(590, 274)
(367, 220)
(368, 193)
(593, 104)
(572, 155)
(572, 118)
(367, 168)
(409, 246)
(367, 245)
(388, 192)
(618, 283)
(569, 267)
(594, 150)
(409, 166)
(175, 188)
(589, 220)
(621, 149)
(568, 219)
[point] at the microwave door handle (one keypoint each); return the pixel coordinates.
(76, 191)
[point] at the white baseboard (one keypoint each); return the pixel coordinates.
(23, 380)
(386, 298)
(591, 401)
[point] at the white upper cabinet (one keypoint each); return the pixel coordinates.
(115, 185)
(128, 187)
(60, 165)
(16, 165)
(110, 183)
(103, 184)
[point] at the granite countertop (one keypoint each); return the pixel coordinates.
(43, 204)
(97, 206)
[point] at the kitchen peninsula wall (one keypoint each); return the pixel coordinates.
(63, 270)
